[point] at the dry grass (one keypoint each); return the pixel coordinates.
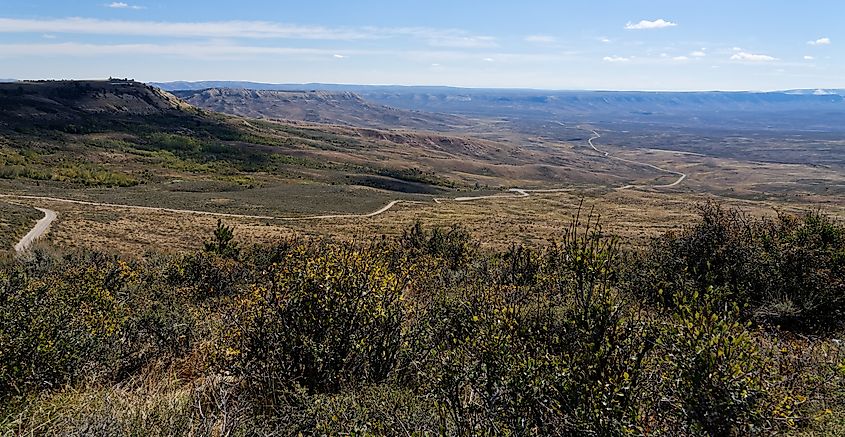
(15, 221)
(631, 214)
(155, 404)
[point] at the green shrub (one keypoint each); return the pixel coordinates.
(788, 271)
(453, 246)
(222, 242)
(550, 349)
(428, 333)
(324, 318)
(85, 317)
(713, 370)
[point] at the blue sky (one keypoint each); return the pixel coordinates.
(617, 44)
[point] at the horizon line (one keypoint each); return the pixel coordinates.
(502, 88)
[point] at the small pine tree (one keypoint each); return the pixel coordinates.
(221, 242)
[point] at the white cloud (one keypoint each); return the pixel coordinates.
(809, 58)
(820, 42)
(615, 59)
(698, 54)
(453, 38)
(226, 50)
(680, 58)
(337, 56)
(645, 24)
(540, 39)
(605, 40)
(751, 57)
(122, 5)
(465, 42)
(221, 51)
(220, 29)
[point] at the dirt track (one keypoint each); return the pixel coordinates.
(517, 193)
(36, 232)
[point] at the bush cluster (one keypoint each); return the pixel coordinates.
(426, 333)
(787, 271)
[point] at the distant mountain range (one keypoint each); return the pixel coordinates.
(791, 110)
(818, 92)
(314, 86)
(330, 107)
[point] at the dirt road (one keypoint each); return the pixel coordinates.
(681, 176)
(514, 193)
(35, 233)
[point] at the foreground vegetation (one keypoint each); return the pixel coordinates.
(726, 328)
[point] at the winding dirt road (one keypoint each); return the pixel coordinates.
(515, 193)
(35, 233)
(681, 176)
(191, 211)
(49, 215)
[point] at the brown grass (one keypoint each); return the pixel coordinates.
(630, 214)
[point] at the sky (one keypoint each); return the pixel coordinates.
(599, 44)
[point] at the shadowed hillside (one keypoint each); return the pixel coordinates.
(52, 102)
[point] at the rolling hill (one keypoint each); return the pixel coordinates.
(343, 108)
(43, 102)
(76, 135)
(788, 110)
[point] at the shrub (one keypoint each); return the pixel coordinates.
(788, 271)
(85, 317)
(325, 317)
(453, 246)
(550, 349)
(427, 333)
(712, 369)
(222, 242)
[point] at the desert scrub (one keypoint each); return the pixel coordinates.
(324, 317)
(788, 271)
(535, 343)
(84, 317)
(424, 332)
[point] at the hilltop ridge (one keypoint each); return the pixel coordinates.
(794, 109)
(327, 107)
(49, 102)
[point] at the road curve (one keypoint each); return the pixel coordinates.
(35, 233)
(191, 211)
(681, 176)
(514, 193)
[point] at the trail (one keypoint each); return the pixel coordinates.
(513, 194)
(681, 176)
(209, 213)
(519, 193)
(35, 233)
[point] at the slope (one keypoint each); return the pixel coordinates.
(344, 108)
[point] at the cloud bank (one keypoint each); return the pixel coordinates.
(751, 57)
(820, 42)
(646, 25)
